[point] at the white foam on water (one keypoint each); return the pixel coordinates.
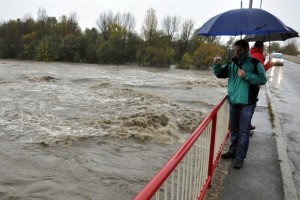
(79, 131)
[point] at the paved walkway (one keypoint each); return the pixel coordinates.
(266, 174)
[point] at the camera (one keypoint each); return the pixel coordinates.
(217, 59)
(235, 60)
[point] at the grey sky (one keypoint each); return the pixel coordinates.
(200, 11)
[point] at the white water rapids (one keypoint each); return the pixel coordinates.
(83, 131)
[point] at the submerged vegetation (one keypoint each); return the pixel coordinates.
(114, 41)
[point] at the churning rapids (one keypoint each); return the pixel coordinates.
(83, 131)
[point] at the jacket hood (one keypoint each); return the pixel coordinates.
(255, 50)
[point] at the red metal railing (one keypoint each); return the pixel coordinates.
(188, 173)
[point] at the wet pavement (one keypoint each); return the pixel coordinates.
(285, 88)
(266, 173)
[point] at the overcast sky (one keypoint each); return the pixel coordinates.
(200, 11)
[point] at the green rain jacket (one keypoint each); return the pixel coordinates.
(242, 91)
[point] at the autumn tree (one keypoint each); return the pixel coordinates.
(29, 43)
(116, 37)
(197, 40)
(203, 56)
(228, 50)
(112, 50)
(186, 61)
(47, 49)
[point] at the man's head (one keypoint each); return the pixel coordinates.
(241, 47)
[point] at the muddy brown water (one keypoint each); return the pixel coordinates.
(82, 131)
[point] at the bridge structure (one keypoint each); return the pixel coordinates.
(188, 173)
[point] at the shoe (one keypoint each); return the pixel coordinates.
(238, 164)
(251, 133)
(252, 127)
(228, 155)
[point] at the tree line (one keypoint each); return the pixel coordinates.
(114, 41)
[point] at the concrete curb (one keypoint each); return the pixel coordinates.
(292, 60)
(290, 191)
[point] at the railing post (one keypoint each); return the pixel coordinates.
(212, 148)
(207, 129)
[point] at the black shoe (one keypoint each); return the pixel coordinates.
(238, 164)
(252, 127)
(251, 133)
(228, 155)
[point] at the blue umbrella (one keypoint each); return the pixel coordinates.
(272, 36)
(245, 21)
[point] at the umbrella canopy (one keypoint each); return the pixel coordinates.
(242, 22)
(273, 36)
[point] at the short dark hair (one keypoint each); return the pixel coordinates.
(242, 43)
(258, 44)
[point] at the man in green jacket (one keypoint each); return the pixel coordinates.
(244, 77)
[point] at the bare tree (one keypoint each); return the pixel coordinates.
(63, 19)
(129, 21)
(73, 21)
(149, 28)
(26, 17)
(126, 20)
(187, 29)
(43, 29)
(175, 24)
(118, 19)
(170, 26)
(73, 18)
(166, 25)
(69, 25)
(42, 15)
(104, 21)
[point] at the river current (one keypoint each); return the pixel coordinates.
(85, 131)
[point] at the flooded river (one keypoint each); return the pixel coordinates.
(82, 131)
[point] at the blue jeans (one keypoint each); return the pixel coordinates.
(240, 118)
